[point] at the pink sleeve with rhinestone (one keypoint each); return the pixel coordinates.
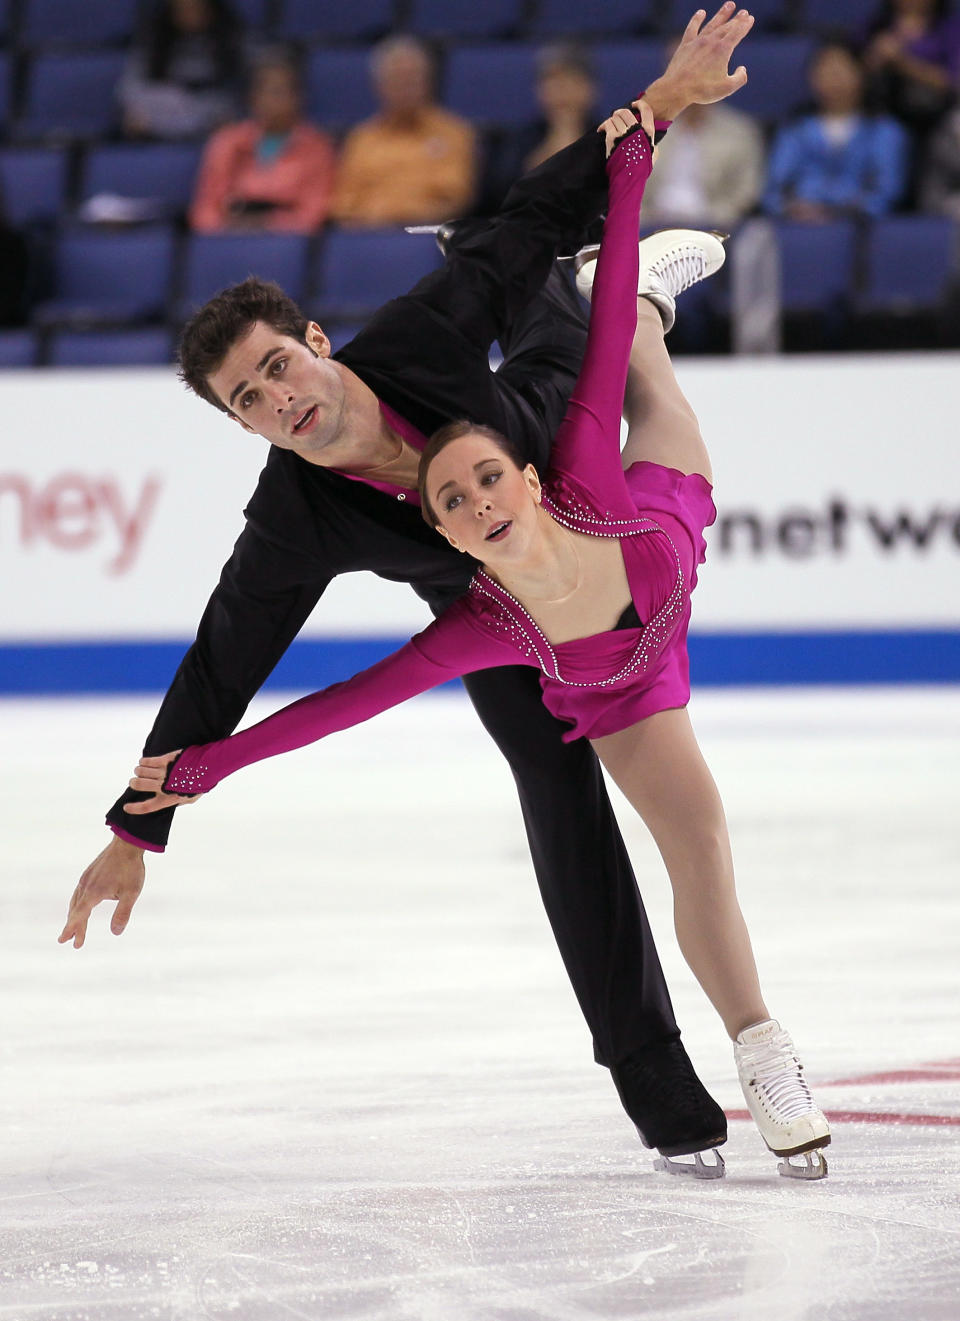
(452, 645)
(588, 442)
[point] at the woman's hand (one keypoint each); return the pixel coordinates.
(148, 778)
(622, 121)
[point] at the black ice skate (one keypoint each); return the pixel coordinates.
(673, 1111)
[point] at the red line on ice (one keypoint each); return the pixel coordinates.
(872, 1117)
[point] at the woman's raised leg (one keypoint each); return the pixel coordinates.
(661, 425)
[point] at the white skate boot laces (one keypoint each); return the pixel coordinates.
(772, 1066)
(678, 269)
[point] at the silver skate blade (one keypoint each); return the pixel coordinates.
(698, 1168)
(814, 1166)
(421, 229)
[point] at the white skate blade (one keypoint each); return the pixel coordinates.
(814, 1166)
(421, 229)
(698, 1168)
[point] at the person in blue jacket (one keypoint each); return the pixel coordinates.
(840, 160)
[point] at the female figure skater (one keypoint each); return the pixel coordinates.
(588, 577)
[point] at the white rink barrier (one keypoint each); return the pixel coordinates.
(837, 484)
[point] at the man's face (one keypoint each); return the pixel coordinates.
(288, 392)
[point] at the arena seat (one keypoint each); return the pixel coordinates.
(161, 172)
(339, 94)
(71, 95)
(910, 263)
(492, 83)
(33, 183)
(100, 278)
(50, 23)
(768, 15)
(18, 348)
(624, 68)
(852, 16)
(778, 76)
(817, 264)
(214, 261)
(332, 20)
(572, 18)
(254, 14)
(357, 271)
(110, 348)
(493, 18)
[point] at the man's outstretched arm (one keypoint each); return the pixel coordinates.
(260, 604)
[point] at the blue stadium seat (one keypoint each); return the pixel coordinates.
(33, 183)
(852, 16)
(67, 23)
(339, 94)
(492, 18)
(72, 95)
(493, 84)
(624, 69)
(214, 261)
(768, 15)
(778, 76)
(340, 333)
(571, 18)
(161, 172)
(911, 261)
(116, 277)
(358, 271)
(332, 20)
(254, 14)
(110, 348)
(18, 348)
(6, 85)
(817, 264)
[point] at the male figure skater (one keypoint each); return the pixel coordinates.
(339, 493)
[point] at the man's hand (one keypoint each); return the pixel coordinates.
(118, 873)
(148, 778)
(622, 121)
(697, 72)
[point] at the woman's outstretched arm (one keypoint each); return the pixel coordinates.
(450, 647)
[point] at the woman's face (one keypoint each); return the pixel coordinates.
(275, 98)
(486, 506)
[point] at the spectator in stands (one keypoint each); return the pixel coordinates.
(940, 179)
(710, 168)
(413, 162)
(912, 60)
(273, 171)
(840, 160)
(184, 72)
(566, 93)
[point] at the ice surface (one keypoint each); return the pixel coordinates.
(334, 1069)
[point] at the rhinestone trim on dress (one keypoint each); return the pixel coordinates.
(514, 622)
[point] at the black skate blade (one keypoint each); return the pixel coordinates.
(814, 1166)
(698, 1168)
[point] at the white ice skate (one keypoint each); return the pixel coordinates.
(789, 1120)
(670, 261)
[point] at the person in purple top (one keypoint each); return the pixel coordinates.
(912, 58)
(586, 576)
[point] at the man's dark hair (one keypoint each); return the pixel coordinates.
(442, 438)
(211, 333)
